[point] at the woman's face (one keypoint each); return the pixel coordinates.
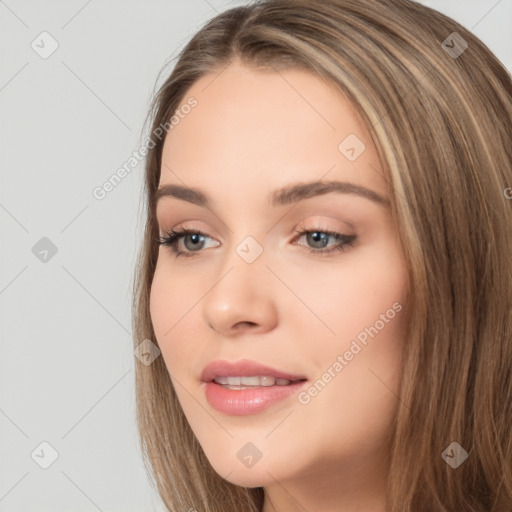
(252, 288)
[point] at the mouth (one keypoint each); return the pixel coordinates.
(247, 374)
(246, 395)
(252, 382)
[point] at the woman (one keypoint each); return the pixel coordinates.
(326, 265)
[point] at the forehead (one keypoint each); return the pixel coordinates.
(258, 130)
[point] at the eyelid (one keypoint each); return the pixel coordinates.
(320, 224)
(189, 226)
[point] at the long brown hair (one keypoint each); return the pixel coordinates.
(439, 109)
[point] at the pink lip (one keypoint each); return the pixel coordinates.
(248, 401)
(240, 402)
(243, 368)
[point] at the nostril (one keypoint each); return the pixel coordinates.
(246, 323)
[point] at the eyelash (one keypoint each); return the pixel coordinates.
(172, 238)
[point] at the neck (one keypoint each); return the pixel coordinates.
(332, 488)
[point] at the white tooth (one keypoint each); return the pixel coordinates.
(267, 381)
(250, 381)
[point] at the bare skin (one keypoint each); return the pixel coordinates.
(251, 133)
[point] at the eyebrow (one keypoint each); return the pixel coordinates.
(282, 196)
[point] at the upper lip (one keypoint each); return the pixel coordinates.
(243, 368)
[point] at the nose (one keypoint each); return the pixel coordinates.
(242, 299)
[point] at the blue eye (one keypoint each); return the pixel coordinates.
(316, 236)
(321, 237)
(173, 238)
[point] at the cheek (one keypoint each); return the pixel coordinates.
(362, 295)
(159, 303)
(362, 302)
(170, 302)
(358, 371)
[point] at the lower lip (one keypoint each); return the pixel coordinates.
(248, 401)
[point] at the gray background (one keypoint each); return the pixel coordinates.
(67, 123)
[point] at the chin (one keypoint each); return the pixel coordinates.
(235, 470)
(247, 477)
